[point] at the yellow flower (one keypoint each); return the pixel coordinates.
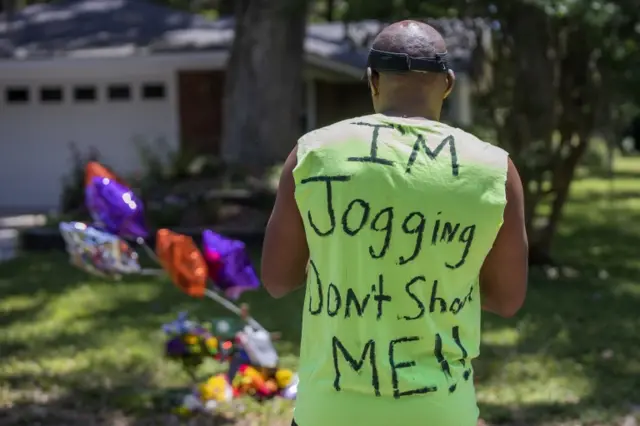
(212, 342)
(283, 377)
(190, 339)
(214, 389)
(206, 391)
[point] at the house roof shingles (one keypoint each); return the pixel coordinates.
(126, 27)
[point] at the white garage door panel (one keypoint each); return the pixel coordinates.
(34, 140)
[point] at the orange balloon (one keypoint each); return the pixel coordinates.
(182, 260)
(95, 169)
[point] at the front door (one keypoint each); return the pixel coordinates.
(200, 110)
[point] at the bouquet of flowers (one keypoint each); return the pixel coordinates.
(253, 368)
(190, 343)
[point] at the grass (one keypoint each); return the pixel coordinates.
(77, 350)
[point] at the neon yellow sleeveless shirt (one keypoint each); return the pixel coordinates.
(399, 216)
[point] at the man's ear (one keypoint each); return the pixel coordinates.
(451, 81)
(372, 79)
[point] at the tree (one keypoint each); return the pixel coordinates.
(263, 92)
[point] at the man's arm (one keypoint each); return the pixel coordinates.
(503, 278)
(285, 253)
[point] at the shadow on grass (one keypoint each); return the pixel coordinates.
(573, 331)
(93, 407)
(74, 346)
(619, 174)
(579, 327)
(587, 197)
(47, 276)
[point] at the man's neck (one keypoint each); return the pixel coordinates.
(412, 113)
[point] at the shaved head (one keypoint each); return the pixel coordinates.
(413, 38)
(410, 90)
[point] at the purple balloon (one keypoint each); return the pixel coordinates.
(115, 208)
(229, 264)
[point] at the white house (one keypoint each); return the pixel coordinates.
(101, 73)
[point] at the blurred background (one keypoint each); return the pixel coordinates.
(197, 103)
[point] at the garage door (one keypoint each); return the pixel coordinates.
(39, 121)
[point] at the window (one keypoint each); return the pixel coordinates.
(17, 95)
(153, 91)
(119, 92)
(84, 93)
(51, 95)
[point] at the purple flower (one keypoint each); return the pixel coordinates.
(176, 347)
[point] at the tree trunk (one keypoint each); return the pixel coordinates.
(528, 127)
(579, 99)
(8, 7)
(226, 7)
(562, 185)
(329, 13)
(263, 92)
(531, 119)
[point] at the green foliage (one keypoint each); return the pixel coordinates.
(172, 184)
(597, 157)
(72, 195)
(163, 164)
(162, 169)
(153, 159)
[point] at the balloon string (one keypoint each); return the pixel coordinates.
(152, 254)
(233, 308)
(210, 293)
(151, 272)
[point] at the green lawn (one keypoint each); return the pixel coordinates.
(76, 350)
